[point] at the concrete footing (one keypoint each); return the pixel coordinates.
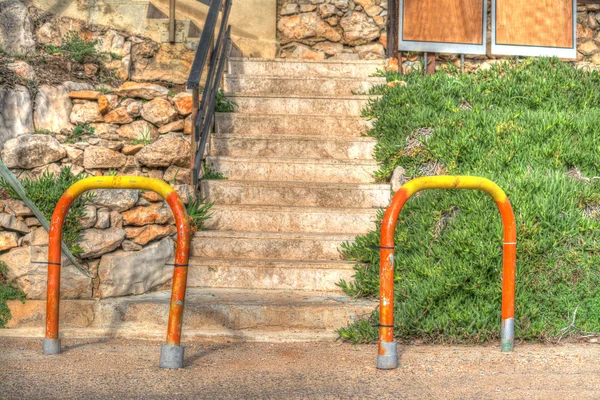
(171, 356)
(388, 360)
(51, 346)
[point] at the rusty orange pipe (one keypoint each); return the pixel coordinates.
(171, 353)
(387, 353)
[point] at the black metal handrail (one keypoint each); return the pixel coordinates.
(203, 111)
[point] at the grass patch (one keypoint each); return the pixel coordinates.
(8, 291)
(532, 129)
(45, 192)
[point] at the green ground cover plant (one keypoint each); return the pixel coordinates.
(8, 291)
(534, 129)
(45, 192)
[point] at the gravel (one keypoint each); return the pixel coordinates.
(128, 369)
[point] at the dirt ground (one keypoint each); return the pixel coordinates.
(128, 369)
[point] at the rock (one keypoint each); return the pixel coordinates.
(74, 86)
(177, 175)
(185, 192)
(137, 130)
(359, 29)
(588, 48)
(306, 53)
(170, 149)
(116, 219)
(124, 273)
(341, 4)
(159, 112)
(48, 34)
(327, 10)
(17, 208)
(96, 242)
(289, 9)
(172, 127)
(85, 94)
(373, 10)
(304, 8)
(398, 178)
(30, 151)
(116, 199)
(11, 223)
(32, 278)
(32, 222)
(104, 131)
(330, 49)
(146, 91)
(187, 126)
(85, 113)
(391, 65)
(53, 109)
(90, 70)
(148, 233)
(151, 196)
(131, 149)
(156, 213)
(134, 108)
(9, 240)
(101, 157)
(171, 63)
(16, 36)
(89, 217)
(52, 169)
(104, 105)
(370, 51)
(16, 116)
(128, 245)
(118, 116)
(183, 103)
(103, 221)
(38, 237)
(307, 28)
(22, 69)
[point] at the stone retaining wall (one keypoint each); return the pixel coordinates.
(356, 29)
(139, 129)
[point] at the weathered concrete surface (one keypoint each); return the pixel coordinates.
(303, 68)
(299, 194)
(249, 314)
(297, 371)
(300, 169)
(293, 146)
(271, 245)
(264, 104)
(307, 124)
(292, 219)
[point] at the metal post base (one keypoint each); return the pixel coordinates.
(388, 360)
(51, 346)
(508, 335)
(171, 356)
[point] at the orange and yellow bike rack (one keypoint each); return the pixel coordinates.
(171, 354)
(387, 357)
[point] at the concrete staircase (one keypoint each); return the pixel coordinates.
(299, 185)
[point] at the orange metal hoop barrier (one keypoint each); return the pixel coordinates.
(171, 355)
(387, 357)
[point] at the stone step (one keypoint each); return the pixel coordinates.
(268, 274)
(299, 194)
(272, 245)
(303, 146)
(291, 219)
(268, 124)
(306, 86)
(255, 315)
(264, 104)
(303, 68)
(294, 169)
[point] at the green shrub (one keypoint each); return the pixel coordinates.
(45, 193)
(8, 291)
(77, 48)
(533, 130)
(198, 211)
(79, 132)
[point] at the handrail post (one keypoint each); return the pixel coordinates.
(171, 355)
(387, 357)
(194, 142)
(172, 21)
